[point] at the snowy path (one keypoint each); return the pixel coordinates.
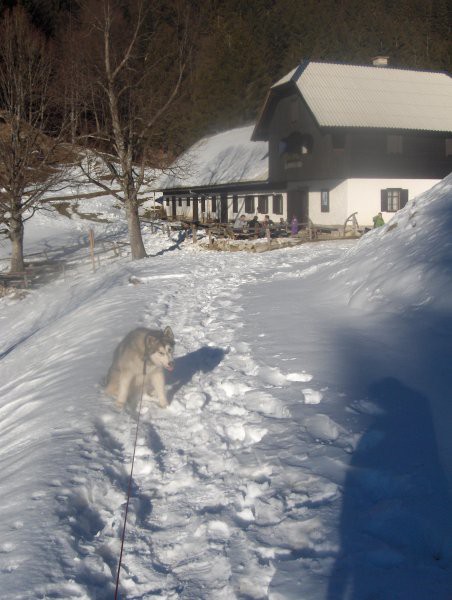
(209, 510)
(265, 479)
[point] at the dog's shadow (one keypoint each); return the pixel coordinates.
(203, 360)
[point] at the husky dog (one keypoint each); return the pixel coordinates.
(138, 364)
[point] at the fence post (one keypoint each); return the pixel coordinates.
(91, 247)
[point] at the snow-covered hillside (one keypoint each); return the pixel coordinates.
(306, 452)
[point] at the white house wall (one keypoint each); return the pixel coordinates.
(361, 196)
(364, 195)
(338, 202)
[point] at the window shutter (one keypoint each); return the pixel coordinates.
(403, 198)
(384, 200)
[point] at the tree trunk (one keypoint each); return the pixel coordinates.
(17, 246)
(134, 228)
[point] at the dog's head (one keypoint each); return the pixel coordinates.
(160, 348)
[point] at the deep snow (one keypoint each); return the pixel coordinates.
(306, 453)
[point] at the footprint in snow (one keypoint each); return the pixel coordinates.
(240, 435)
(273, 376)
(304, 377)
(264, 403)
(312, 396)
(322, 428)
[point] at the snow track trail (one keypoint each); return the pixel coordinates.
(185, 535)
(306, 452)
(205, 517)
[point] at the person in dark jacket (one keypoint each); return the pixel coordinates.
(253, 225)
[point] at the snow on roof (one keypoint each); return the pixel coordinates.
(367, 96)
(227, 157)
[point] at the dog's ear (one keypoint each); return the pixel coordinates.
(151, 343)
(168, 334)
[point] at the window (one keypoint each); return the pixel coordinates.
(306, 144)
(393, 199)
(277, 204)
(448, 146)
(188, 201)
(262, 205)
(214, 204)
(325, 201)
(394, 144)
(235, 203)
(203, 204)
(298, 143)
(179, 201)
(167, 202)
(249, 204)
(294, 147)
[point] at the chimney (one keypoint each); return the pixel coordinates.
(380, 61)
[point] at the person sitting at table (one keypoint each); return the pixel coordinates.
(264, 226)
(240, 223)
(283, 227)
(267, 222)
(254, 225)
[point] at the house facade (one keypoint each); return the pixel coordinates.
(331, 140)
(349, 139)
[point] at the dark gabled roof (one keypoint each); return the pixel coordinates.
(348, 96)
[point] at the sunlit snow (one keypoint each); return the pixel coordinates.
(306, 453)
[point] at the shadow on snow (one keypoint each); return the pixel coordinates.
(395, 526)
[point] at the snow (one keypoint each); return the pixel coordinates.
(306, 452)
(226, 157)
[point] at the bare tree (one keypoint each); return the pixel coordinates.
(134, 59)
(30, 148)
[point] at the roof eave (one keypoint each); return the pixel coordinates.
(221, 187)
